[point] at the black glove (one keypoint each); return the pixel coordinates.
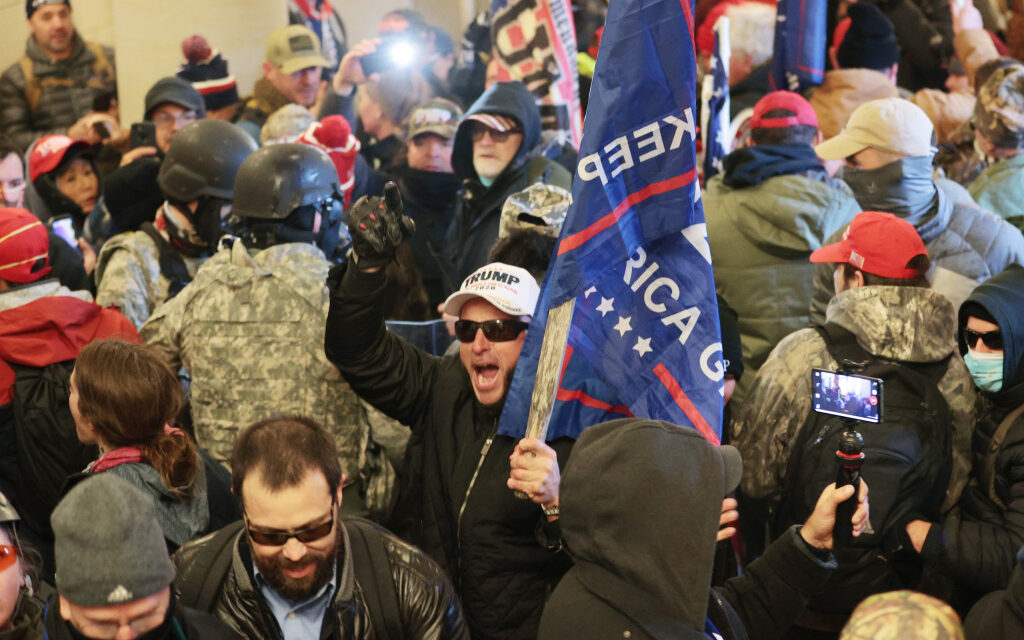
(378, 226)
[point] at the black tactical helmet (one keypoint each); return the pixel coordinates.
(202, 161)
(277, 179)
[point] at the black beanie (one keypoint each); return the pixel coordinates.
(32, 5)
(870, 43)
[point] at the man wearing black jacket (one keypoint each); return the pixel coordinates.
(455, 500)
(493, 155)
(642, 499)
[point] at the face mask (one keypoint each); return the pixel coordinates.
(986, 369)
(903, 187)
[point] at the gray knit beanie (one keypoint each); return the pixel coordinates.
(108, 544)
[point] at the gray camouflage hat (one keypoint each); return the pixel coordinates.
(540, 207)
(999, 111)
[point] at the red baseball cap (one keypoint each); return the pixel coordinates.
(24, 246)
(803, 112)
(877, 243)
(49, 151)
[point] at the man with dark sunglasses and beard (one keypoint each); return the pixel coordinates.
(294, 569)
(456, 500)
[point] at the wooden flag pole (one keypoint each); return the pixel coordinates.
(549, 368)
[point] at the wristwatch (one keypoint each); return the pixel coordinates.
(550, 511)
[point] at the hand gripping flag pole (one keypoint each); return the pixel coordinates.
(627, 321)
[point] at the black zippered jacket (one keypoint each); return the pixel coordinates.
(466, 519)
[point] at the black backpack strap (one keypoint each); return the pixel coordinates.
(171, 265)
(373, 573)
(199, 583)
(993, 452)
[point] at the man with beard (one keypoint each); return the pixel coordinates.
(428, 188)
(296, 570)
(52, 87)
(455, 500)
(887, 146)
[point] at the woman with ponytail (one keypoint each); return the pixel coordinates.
(123, 397)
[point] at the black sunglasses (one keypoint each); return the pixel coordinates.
(280, 538)
(494, 330)
(991, 339)
(477, 133)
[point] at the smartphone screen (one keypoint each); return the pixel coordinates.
(65, 230)
(847, 395)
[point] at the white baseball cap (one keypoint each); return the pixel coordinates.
(510, 289)
(893, 125)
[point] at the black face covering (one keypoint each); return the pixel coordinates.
(903, 187)
(432, 189)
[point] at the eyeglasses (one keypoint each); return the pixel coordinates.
(478, 130)
(991, 339)
(164, 120)
(494, 330)
(8, 555)
(280, 538)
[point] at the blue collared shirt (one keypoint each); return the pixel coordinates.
(302, 620)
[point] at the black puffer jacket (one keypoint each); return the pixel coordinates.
(478, 208)
(426, 602)
(454, 502)
(1000, 614)
(978, 542)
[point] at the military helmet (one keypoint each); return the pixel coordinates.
(202, 161)
(277, 179)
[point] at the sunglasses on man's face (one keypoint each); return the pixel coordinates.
(494, 330)
(478, 130)
(8, 555)
(991, 339)
(280, 538)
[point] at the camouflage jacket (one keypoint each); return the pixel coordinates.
(128, 276)
(908, 324)
(249, 329)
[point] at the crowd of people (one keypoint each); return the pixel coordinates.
(217, 421)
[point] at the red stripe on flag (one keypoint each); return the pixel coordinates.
(688, 14)
(580, 238)
(685, 404)
(568, 395)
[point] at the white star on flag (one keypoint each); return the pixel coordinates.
(586, 294)
(623, 325)
(606, 306)
(642, 346)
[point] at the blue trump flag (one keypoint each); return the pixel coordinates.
(716, 103)
(633, 255)
(798, 61)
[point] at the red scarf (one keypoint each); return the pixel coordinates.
(125, 455)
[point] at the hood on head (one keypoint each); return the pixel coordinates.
(1003, 297)
(640, 503)
(511, 99)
